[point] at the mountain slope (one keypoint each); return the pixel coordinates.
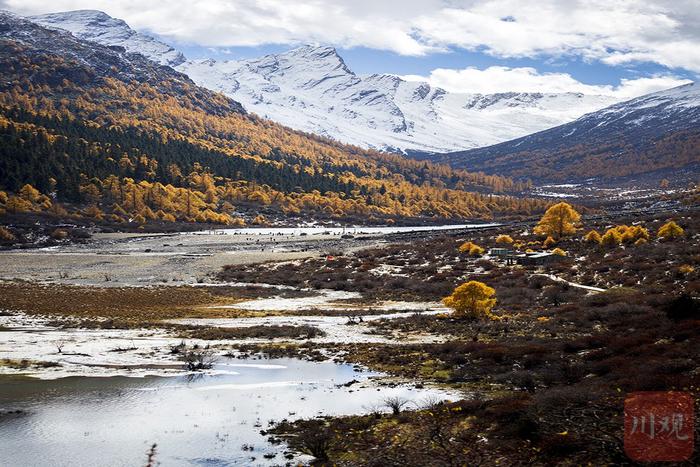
(98, 125)
(312, 89)
(99, 27)
(652, 136)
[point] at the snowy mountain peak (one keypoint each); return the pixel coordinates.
(311, 88)
(315, 52)
(97, 26)
(686, 95)
(642, 140)
(83, 17)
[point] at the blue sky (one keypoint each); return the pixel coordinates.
(626, 48)
(364, 60)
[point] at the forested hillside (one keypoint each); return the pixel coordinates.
(128, 139)
(650, 138)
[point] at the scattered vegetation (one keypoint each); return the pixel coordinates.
(118, 307)
(165, 150)
(670, 231)
(471, 249)
(473, 300)
(253, 332)
(197, 359)
(558, 221)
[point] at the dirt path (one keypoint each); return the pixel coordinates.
(572, 284)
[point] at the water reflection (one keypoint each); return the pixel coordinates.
(194, 419)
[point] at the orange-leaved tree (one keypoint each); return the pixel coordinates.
(592, 237)
(472, 249)
(504, 239)
(472, 299)
(670, 230)
(558, 221)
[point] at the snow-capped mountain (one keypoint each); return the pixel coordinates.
(99, 27)
(313, 90)
(653, 136)
(90, 63)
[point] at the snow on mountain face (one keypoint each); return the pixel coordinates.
(311, 89)
(99, 27)
(647, 138)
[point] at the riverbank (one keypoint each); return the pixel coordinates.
(540, 383)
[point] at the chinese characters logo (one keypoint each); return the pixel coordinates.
(659, 426)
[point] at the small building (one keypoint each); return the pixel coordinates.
(538, 259)
(500, 252)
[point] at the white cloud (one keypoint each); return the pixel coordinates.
(662, 31)
(504, 79)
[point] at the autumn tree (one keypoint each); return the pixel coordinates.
(592, 237)
(670, 231)
(611, 238)
(29, 193)
(472, 249)
(6, 235)
(472, 300)
(558, 221)
(504, 239)
(17, 204)
(549, 241)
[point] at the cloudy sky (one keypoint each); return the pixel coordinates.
(623, 47)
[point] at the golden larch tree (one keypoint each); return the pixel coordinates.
(592, 237)
(504, 239)
(611, 238)
(670, 230)
(558, 221)
(472, 299)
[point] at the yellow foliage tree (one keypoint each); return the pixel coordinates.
(29, 193)
(611, 238)
(6, 235)
(559, 251)
(558, 221)
(592, 237)
(472, 299)
(504, 239)
(549, 241)
(630, 234)
(17, 204)
(472, 249)
(94, 212)
(670, 230)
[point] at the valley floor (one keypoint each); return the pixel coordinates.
(542, 384)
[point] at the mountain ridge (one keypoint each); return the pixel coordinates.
(379, 111)
(98, 26)
(645, 137)
(123, 137)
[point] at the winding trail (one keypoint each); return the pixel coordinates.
(572, 284)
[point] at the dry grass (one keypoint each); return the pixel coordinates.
(135, 304)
